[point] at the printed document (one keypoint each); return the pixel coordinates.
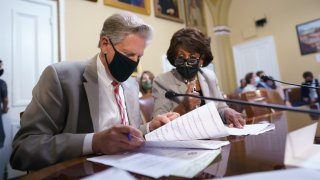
(158, 162)
(251, 129)
(202, 123)
(192, 144)
(111, 173)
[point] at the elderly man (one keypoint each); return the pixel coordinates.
(89, 107)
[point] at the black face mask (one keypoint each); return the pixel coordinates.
(1, 72)
(121, 67)
(188, 71)
(309, 81)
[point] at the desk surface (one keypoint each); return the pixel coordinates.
(245, 154)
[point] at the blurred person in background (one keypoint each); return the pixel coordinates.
(310, 95)
(146, 100)
(250, 82)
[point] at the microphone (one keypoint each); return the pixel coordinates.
(171, 95)
(265, 78)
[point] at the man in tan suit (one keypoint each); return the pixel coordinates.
(89, 107)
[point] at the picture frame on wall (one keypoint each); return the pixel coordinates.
(169, 9)
(309, 36)
(137, 6)
(194, 12)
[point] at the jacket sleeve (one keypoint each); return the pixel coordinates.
(215, 91)
(161, 103)
(41, 140)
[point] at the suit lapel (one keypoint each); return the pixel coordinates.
(181, 86)
(92, 90)
(204, 85)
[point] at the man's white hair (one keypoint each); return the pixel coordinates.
(119, 25)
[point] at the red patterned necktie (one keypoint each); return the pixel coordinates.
(119, 101)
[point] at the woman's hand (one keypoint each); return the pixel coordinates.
(160, 120)
(234, 118)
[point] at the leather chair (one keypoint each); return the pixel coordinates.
(258, 96)
(146, 108)
(235, 106)
(294, 96)
(274, 97)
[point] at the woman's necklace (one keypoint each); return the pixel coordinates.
(193, 82)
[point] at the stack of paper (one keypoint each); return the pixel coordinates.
(158, 162)
(202, 123)
(251, 129)
(192, 144)
(111, 173)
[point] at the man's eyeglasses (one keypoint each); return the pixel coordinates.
(190, 61)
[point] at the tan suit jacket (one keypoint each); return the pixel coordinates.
(172, 80)
(64, 102)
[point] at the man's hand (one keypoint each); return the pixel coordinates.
(115, 140)
(160, 120)
(234, 118)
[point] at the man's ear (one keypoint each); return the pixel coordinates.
(104, 41)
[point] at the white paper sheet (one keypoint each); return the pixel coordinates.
(196, 165)
(158, 162)
(251, 129)
(300, 150)
(287, 174)
(111, 173)
(201, 123)
(193, 144)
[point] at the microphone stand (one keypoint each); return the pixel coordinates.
(172, 94)
(268, 78)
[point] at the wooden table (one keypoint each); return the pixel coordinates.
(245, 154)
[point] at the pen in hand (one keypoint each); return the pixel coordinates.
(130, 136)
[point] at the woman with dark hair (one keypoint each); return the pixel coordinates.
(189, 51)
(250, 82)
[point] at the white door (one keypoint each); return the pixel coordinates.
(256, 55)
(28, 43)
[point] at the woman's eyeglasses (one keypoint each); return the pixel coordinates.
(182, 61)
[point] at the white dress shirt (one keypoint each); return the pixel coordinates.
(249, 87)
(109, 113)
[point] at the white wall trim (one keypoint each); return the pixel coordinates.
(62, 30)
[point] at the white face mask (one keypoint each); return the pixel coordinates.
(257, 80)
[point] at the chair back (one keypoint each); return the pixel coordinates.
(258, 96)
(274, 97)
(237, 107)
(146, 108)
(294, 96)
